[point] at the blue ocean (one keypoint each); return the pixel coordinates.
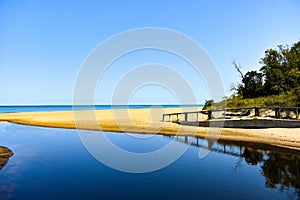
(49, 108)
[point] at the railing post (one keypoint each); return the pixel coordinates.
(256, 111)
(186, 117)
(277, 112)
(163, 119)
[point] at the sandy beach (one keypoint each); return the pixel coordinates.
(149, 121)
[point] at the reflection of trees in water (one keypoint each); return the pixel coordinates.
(280, 167)
(281, 170)
(252, 156)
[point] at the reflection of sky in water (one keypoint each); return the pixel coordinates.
(53, 164)
(137, 143)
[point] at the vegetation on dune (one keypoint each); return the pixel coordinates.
(275, 84)
(288, 100)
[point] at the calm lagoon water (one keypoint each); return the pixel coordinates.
(53, 164)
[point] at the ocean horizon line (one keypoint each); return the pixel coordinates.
(50, 108)
(164, 104)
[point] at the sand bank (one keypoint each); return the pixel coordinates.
(148, 121)
(5, 154)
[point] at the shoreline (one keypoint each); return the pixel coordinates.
(148, 121)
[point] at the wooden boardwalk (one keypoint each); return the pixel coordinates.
(253, 117)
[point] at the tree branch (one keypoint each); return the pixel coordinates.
(238, 68)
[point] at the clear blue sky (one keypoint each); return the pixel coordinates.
(43, 43)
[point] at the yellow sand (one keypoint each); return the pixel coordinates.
(149, 121)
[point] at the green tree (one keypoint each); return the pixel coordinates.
(281, 69)
(272, 71)
(292, 65)
(252, 85)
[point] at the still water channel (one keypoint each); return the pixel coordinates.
(51, 163)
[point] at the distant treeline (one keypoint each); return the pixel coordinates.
(280, 73)
(278, 79)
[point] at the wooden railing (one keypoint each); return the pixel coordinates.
(273, 112)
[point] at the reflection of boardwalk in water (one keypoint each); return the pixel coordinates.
(228, 149)
(279, 166)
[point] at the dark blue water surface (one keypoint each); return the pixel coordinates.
(47, 108)
(51, 163)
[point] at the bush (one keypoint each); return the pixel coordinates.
(291, 99)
